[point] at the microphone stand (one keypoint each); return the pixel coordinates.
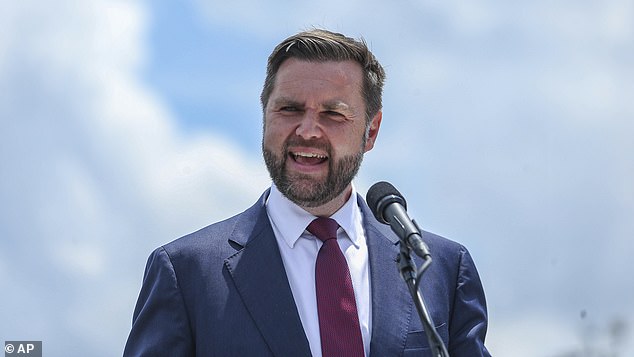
(412, 277)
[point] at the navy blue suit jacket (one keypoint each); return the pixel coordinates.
(223, 291)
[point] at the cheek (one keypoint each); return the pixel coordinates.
(274, 135)
(349, 141)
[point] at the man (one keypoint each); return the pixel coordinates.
(269, 281)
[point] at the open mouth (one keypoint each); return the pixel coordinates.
(308, 158)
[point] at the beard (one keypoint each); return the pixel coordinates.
(306, 190)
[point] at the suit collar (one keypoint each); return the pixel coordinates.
(260, 279)
(250, 223)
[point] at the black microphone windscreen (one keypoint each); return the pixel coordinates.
(376, 198)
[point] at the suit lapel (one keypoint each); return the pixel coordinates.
(260, 279)
(391, 305)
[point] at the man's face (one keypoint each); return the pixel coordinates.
(315, 130)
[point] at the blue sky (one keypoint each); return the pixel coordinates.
(507, 126)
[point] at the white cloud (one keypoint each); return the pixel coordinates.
(532, 335)
(518, 132)
(95, 173)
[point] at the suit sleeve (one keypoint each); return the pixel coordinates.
(469, 317)
(160, 325)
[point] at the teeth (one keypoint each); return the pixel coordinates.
(309, 155)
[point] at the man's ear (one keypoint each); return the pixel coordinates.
(373, 131)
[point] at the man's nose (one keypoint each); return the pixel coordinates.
(309, 127)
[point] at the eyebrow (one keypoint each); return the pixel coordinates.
(337, 105)
(286, 101)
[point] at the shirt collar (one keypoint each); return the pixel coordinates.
(291, 220)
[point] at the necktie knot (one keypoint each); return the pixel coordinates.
(323, 228)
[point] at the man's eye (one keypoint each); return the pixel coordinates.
(333, 114)
(288, 109)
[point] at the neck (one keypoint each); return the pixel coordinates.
(329, 208)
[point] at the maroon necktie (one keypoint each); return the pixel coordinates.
(336, 306)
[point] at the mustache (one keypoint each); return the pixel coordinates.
(313, 143)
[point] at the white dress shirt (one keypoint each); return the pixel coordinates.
(299, 249)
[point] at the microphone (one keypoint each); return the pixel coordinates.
(389, 207)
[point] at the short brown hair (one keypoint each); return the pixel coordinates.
(323, 45)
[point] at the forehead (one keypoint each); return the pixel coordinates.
(305, 77)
